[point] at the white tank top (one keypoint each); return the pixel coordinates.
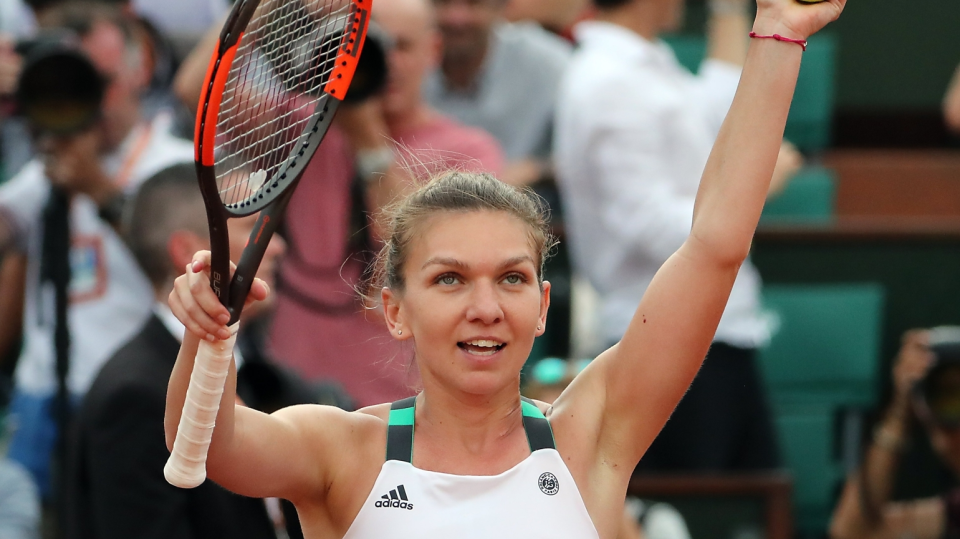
(535, 499)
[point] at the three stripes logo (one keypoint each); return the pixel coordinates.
(397, 499)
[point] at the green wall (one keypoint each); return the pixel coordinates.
(893, 54)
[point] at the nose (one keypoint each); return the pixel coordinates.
(485, 304)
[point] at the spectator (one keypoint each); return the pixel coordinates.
(19, 503)
(320, 327)
(558, 16)
(183, 21)
(99, 167)
(117, 488)
(15, 149)
(634, 131)
(926, 386)
(16, 19)
(951, 103)
(159, 62)
(501, 77)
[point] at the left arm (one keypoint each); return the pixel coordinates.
(951, 103)
(662, 349)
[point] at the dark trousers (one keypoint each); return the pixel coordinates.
(723, 423)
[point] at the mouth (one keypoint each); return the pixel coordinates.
(481, 347)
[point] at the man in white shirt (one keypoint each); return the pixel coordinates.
(109, 296)
(501, 77)
(633, 133)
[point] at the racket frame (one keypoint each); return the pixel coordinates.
(186, 467)
(271, 202)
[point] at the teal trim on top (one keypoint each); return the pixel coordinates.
(404, 416)
(531, 410)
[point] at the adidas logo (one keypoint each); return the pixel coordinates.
(396, 499)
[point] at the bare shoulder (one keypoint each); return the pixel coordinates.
(350, 449)
(321, 423)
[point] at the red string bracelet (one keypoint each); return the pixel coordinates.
(778, 37)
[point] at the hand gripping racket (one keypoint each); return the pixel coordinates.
(277, 76)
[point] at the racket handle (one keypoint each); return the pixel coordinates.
(187, 465)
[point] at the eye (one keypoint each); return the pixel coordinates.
(448, 279)
(514, 278)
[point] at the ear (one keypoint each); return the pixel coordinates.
(181, 246)
(394, 315)
(544, 307)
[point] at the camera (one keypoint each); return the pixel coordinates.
(371, 74)
(59, 91)
(937, 395)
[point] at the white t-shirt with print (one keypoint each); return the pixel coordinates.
(110, 297)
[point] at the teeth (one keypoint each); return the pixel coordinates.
(485, 344)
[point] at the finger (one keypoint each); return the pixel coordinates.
(191, 314)
(206, 298)
(260, 290)
(201, 305)
(176, 306)
(201, 261)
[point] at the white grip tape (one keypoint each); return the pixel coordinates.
(187, 465)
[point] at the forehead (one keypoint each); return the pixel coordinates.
(404, 17)
(105, 46)
(491, 4)
(475, 238)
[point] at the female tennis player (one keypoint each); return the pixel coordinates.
(462, 285)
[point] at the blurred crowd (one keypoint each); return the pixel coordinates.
(579, 100)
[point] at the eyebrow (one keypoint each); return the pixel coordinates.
(446, 261)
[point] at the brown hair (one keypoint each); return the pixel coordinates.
(458, 192)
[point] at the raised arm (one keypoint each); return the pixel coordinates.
(251, 453)
(865, 510)
(634, 386)
(951, 103)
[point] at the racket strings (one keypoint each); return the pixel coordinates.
(283, 61)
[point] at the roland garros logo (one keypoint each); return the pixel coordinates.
(548, 483)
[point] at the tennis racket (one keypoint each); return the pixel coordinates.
(277, 76)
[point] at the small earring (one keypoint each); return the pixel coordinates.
(539, 328)
(400, 332)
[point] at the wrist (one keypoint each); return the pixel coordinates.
(890, 438)
(768, 26)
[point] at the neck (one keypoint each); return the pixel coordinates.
(461, 71)
(478, 424)
(407, 119)
(642, 18)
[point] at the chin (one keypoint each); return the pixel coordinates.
(487, 385)
(394, 105)
(479, 382)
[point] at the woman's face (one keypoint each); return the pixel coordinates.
(472, 305)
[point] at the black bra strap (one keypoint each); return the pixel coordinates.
(400, 430)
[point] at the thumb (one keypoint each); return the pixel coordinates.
(259, 291)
